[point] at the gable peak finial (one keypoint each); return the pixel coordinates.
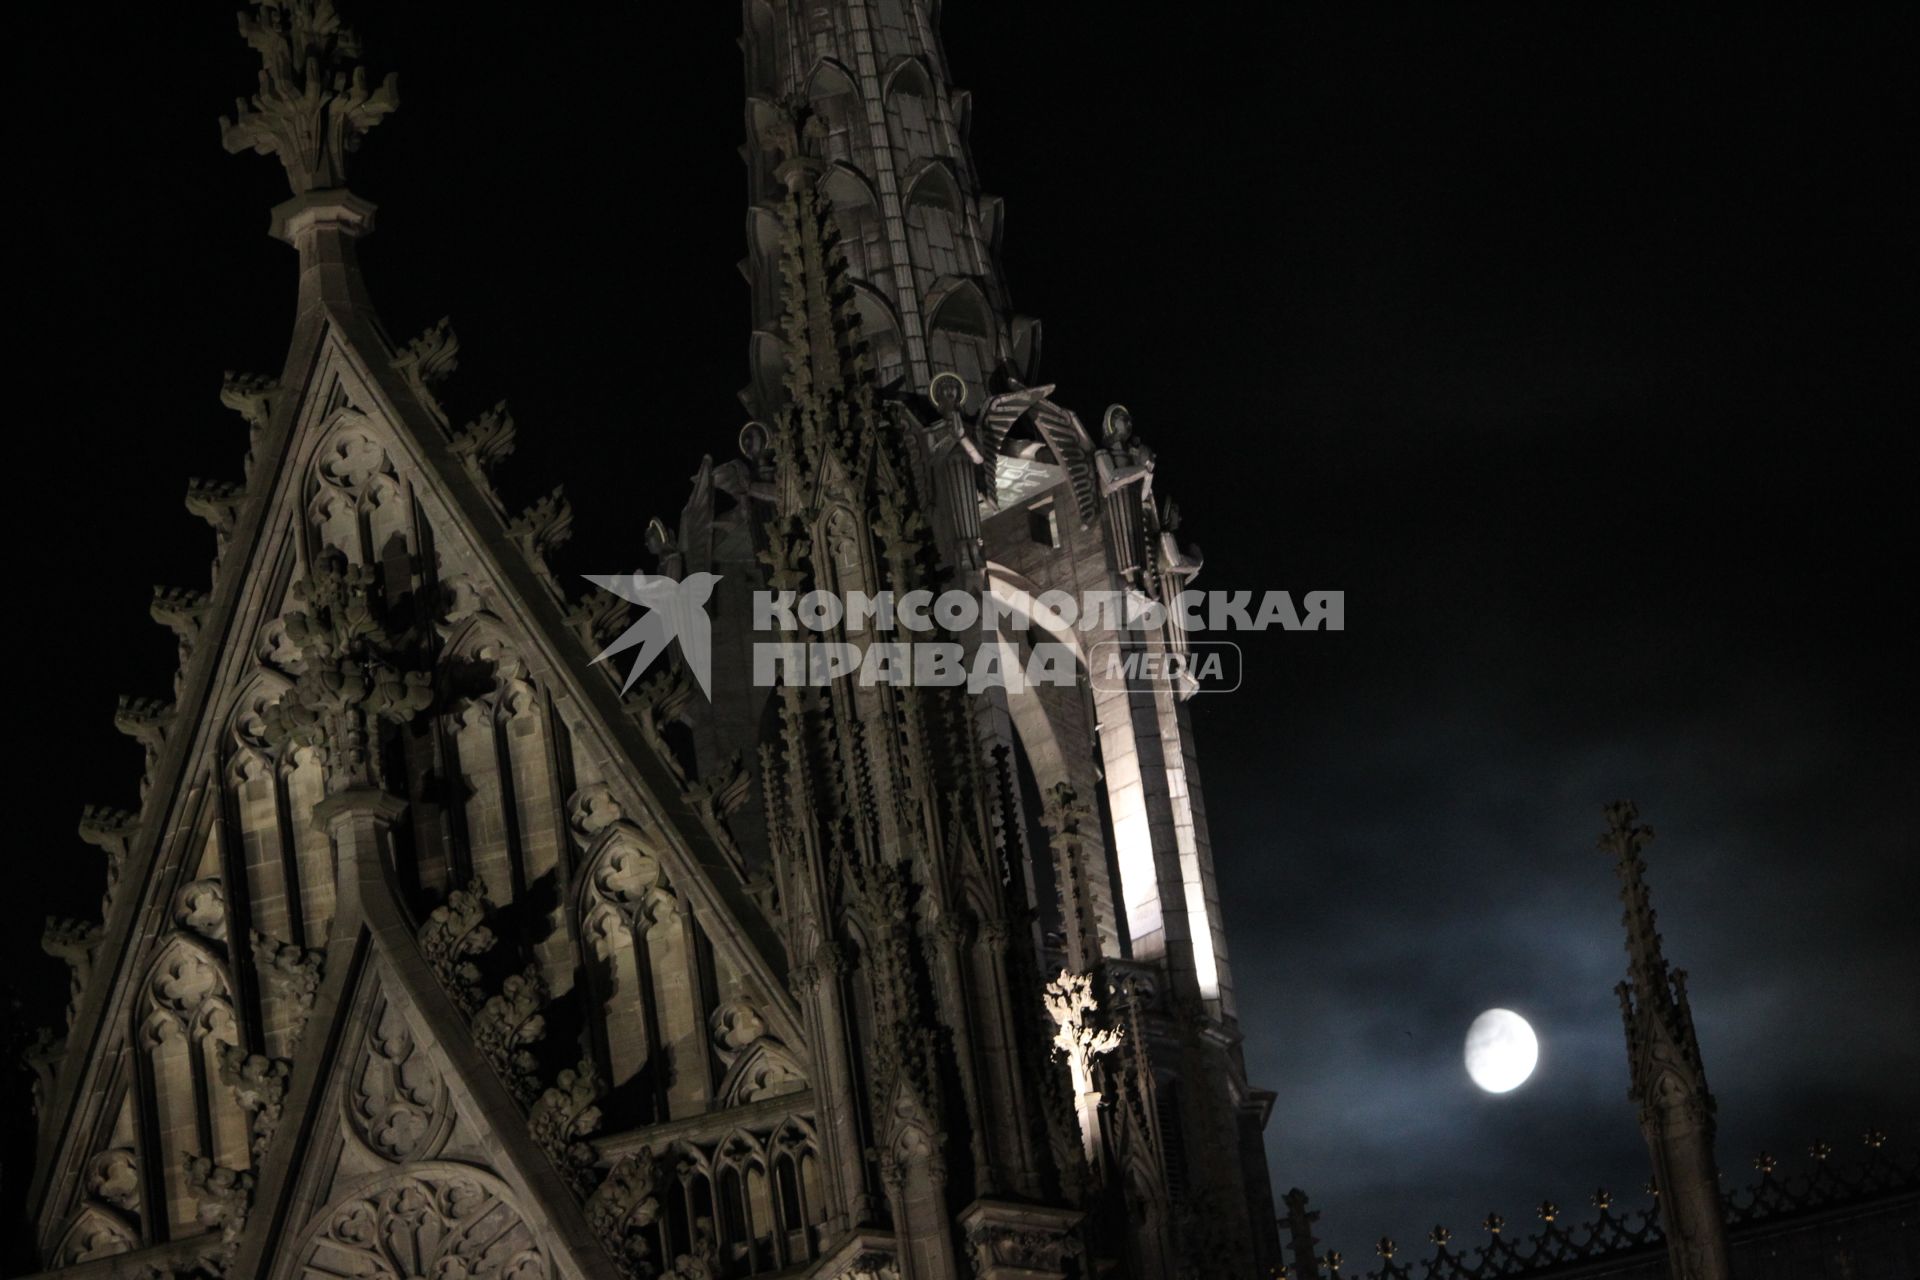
(314, 103)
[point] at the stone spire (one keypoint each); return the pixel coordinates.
(889, 138)
(1668, 1080)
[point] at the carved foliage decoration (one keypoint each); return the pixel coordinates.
(224, 1197)
(259, 1085)
(111, 831)
(507, 1024)
(1080, 1040)
(621, 1209)
(396, 1100)
(450, 939)
(428, 1221)
(561, 1120)
(95, 1233)
(428, 360)
(314, 103)
(1002, 1248)
(73, 941)
(288, 970)
(353, 672)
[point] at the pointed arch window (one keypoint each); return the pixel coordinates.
(911, 114)
(857, 215)
(186, 1023)
(881, 332)
(936, 220)
(762, 48)
(961, 335)
(831, 93)
(642, 960)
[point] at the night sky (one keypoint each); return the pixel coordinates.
(1574, 345)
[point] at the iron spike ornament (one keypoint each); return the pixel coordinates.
(314, 103)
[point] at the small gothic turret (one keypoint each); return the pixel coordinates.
(1669, 1083)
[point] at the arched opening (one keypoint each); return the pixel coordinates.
(961, 332)
(911, 113)
(786, 1182)
(935, 186)
(856, 213)
(187, 1110)
(881, 333)
(762, 49)
(733, 1209)
(936, 223)
(763, 266)
(831, 93)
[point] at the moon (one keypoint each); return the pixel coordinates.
(1501, 1050)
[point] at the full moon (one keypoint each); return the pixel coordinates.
(1501, 1050)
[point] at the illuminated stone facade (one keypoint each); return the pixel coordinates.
(429, 953)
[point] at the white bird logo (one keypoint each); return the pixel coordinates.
(676, 609)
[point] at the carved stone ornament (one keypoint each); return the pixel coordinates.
(592, 810)
(251, 395)
(111, 831)
(430, 359)
(452, 935)
(482, 443)
(429, 1221)
(96, 1233)
(202, 907)
(543, 527)
(396, 1100)
(485, 440)
(562, 1119)
(113, 1177)
(73, 941)
(259, 1085)
(1001, 1249)
(314, 104)
(735, 1024)
(224, 1196)
(1070, 1002)
(217, 502)
(352, 675)
(621, 1209)
(509, 1022)
(629, 880)
(288, 969)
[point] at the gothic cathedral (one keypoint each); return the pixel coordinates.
(433, 950)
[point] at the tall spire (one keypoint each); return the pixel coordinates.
(1668, 1082)
(921, 239)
